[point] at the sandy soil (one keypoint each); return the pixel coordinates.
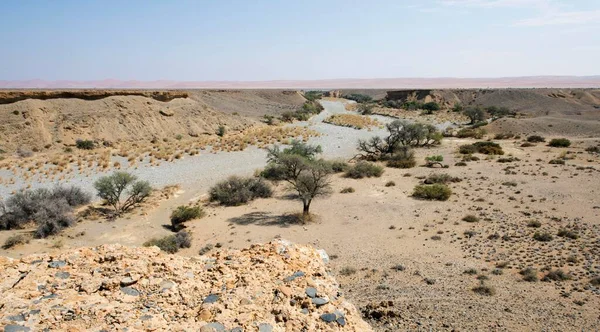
(369, 232)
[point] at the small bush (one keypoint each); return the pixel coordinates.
(534, 224)
(221, 131)
(402, 158)
(184, 213)
(364, 169)
(535, 139)
(390, 184)
(529, 274)
(85, 144)
(470, 218)
(568, 234)
(237, 191)
(171, 243)
(15, 240)
(483, 289)
(441, 178)
(595, 281)
(439, 192)
(460, 163)
(527, 144)
(556, 162)
(346, 271)
(338, 166)
(504, 136)
(510, 184)
(347, 190)
(543, 236)
(467, 149)
(273, 172)
(470, 271)
(471, 133)
(556, 275)
(489, 148)
(593, 149)
(559, 143)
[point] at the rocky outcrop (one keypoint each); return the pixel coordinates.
(273, 287)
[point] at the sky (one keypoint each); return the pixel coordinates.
(256, 40)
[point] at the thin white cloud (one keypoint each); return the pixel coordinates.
(562, 18)
(549, 12)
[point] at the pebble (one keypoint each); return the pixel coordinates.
(318, 301)
(57, 264)
(295, 276)
(311, 292)
(62, 275)
(212, 298)
(328, 317)
(16, 328)
(264, 327)
(127, 281)
(130, 291)
(213, 327)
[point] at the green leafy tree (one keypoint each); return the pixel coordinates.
(113, 188)
(475, 114)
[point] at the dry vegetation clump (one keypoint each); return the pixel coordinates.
(529, 274)
(470, 218)
(535, 139)
(353, 121)
(441, 178)
(185, 213)
(15, 240)
(483, 289)
(476, 133)
(437, 192)
(237, 191)
(556, 275)
(559, 143)
(171, 243)
(347, 190)
(364, 169)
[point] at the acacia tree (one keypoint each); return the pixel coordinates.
(310, 178)
(475, 114)
(112, 187)
(401, 133)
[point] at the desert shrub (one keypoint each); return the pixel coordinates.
(401, 134)
(404, 157)
(183, 239)
(508, 160)
(534, 224)
(470, 218)
(560, 143)
(593, 149)
(185, 213)
(364, 169)
(359, 98)
(171, 243)
(348, 270)
(467, 149)
(237, 191)
(338, 166)
(460, 163)
(483, 289)
(470, 271)
(347, 190)
(273, 172)
(556, 275)
(504, 136)
(489, 148)
(535, 139)
(111, 188)
(568, 234)
(365, 109)
(527, 144)
(475, 114)
(24, 153)
(390, 184)
(510, 184)
(595, 281)
(50, 210)
(556, 162)
(15, 240)
(436, 238)
(85, 144)
(221, 131)
(441, 178)
(74, 196)
(477, 133)
(430, 107)
(529, 274)
(439, 192)
(313, 95)
(542, 236)
(499, 112)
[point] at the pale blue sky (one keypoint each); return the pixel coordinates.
(302, 39)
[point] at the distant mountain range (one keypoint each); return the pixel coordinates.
(359, 83)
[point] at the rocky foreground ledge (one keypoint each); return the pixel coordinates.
(272, 287)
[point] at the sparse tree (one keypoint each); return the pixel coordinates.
(310, 178)
(475, 114)
(111, 188)
(401, 133)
